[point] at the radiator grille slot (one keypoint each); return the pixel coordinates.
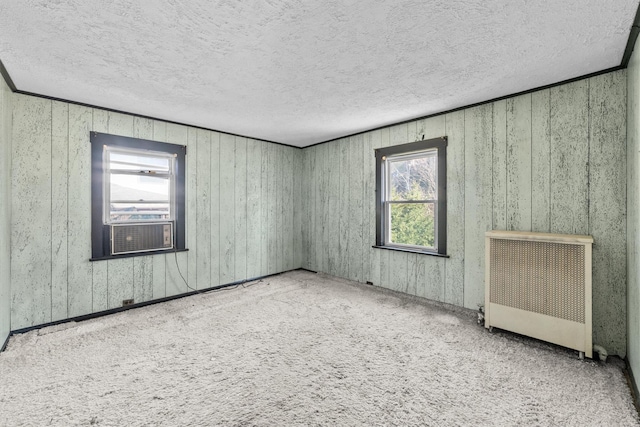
(541, 277)
(132, 238)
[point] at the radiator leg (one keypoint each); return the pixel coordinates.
(581, 355)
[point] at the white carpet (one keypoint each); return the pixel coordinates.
(301, 349)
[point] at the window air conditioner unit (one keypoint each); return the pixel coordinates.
(132, 238)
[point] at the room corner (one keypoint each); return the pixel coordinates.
(5, 210)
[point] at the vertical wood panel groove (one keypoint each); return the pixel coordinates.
(203, 210)
(68, 202)
(531, 159)
(227, 208)
(51, 210)
(339, 209)
(240, 208)
(246, 208)
(588, 152)
(214, 138)
(464, 174)
(193, 236)
(500, 162)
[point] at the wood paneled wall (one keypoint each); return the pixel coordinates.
(242, 220)
(551, 161)
(633, 216)
(5, 210)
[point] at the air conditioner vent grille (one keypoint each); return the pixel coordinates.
(132, 238)
(545, 278)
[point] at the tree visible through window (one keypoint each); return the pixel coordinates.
(413, 187)
(412, 196)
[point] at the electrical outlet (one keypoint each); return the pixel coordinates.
(126, 302)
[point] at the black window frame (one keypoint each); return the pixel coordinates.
(381, 154)
(101, 232)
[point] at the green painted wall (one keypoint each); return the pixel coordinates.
(241, 221)
(552, 161)
(5, 209)
(633, 214)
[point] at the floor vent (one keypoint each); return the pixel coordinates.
(539, 285)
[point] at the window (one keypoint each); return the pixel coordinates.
(138, 197)
(411, 202)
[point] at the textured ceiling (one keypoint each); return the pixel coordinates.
(301, 72)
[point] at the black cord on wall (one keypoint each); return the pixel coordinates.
(226, 288)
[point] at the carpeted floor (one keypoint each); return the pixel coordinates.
(301, 349)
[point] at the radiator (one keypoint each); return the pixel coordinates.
(539, 285)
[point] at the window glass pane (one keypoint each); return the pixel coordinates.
(139, 211)
(139, 187)
(135, 161)
(139, 198)
(413, 224)
(414, 179)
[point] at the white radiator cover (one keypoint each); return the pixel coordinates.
(539, 285)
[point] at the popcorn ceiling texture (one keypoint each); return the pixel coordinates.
(301, 72)
(301, 349)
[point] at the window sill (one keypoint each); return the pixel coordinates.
(169, 251)
(413, 251)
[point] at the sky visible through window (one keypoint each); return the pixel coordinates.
(139, 197)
